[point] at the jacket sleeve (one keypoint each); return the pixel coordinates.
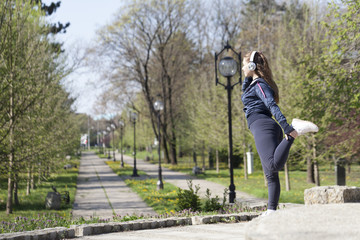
(266, 94)
(246, 83)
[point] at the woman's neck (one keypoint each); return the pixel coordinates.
(255, 76)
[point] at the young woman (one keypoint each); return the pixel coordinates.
(260, 98)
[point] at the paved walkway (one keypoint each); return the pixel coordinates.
(322, 221)
(102, 193)
(101, 190)
(192, 232)
(179, 179)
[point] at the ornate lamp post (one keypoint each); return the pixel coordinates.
(228, 68)
(159, 106)
(113, 127)
(121, 125)
(133, 118)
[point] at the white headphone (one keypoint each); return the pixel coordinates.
(252, 65)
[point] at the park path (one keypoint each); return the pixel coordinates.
(179, 179)
(102, 193)
(190, 232)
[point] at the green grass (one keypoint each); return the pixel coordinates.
(255, 185)
(34, 204)
(165, 201)
(162, 201)
(124, 172)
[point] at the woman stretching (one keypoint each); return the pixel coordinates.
(260, 98)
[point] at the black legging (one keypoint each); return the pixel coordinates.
(273, 150)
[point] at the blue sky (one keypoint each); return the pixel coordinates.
(85, 17)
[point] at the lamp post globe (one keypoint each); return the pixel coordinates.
(133, 116)
(159, 106)
(228, 66)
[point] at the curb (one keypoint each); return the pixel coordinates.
(102, 228)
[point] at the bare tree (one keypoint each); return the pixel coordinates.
(145, 49)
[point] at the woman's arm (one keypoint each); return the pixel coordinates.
(246, 83)
(266, 94)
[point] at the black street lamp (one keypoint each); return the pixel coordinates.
(109, 154)
(159, 106)
(121, 124)
(228, 68)
(133, 118)
(113, 127)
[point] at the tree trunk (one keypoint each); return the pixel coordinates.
(166, 150)
(10, 194)
(203, 157)
(217, 161)
(287, 178)
(310, 171)
(16, 197)
(39, 175)
(194, 157)
(48, 170)
(316, 166)
(11, 155)
(245, 165)
(28, 181)
(173, 151)
(172, 121)
(211, 158)
(32, 182)
(316, 173)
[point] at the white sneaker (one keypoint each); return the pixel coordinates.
(303, 127)
(267, 212)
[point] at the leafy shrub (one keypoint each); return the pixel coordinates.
(211, 204)
(188, 199)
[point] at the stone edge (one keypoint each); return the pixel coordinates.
(111, 227)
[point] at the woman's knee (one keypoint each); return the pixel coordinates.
(274, 167)
(272, 177)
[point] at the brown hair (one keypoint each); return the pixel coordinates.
(263, 70)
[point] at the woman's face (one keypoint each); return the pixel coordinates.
(246, 70)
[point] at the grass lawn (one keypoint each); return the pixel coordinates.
(33, 205)
(255, 186)
(163, 201)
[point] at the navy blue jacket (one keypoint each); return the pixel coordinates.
(259, 102)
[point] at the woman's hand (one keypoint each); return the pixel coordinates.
(294, 134)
